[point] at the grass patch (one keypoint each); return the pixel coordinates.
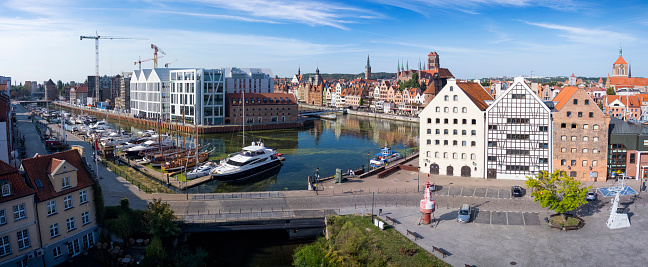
(134, 177)
(558, 220)
(355, 241)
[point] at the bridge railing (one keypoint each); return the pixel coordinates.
(251, 215)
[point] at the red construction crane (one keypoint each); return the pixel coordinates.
(140, 62)
(155, 54)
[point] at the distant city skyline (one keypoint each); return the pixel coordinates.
(475, 39)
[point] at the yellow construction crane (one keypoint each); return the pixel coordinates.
(96, 38)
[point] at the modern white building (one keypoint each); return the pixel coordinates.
(198, 93)
(452, 131)
(518, 134)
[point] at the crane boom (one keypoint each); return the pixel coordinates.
(155, 54)
(140, 62)
(96, 38)
(166, 65)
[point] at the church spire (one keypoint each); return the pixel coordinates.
(408, 64)
(368, 65)
(620, 51)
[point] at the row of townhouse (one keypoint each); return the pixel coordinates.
(465, 132)
(47, 214)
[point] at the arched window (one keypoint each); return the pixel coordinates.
(463, 132)
(585, 138)
(473, 156)
(473, 143)
(454, 155)
(463, 155)
(473, 132)
(455, 109)
(445, 155)
(464, 110)
(596, 127)
(463, 143)
(455, 98)
(6, 190)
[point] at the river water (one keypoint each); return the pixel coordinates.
(343, 143)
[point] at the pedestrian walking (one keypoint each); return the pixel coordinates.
(352, 173)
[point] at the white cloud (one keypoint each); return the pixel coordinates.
(586, 35)
(472, 6)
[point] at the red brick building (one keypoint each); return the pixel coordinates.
(260, 108)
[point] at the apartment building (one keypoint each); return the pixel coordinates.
(199, 94)
(65, 205)
(518, 134)
(149, 93)
(19, 239)
(452, 131)
(580, 132)
(250, 80)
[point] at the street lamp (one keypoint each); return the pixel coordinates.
(368, 162)
(317, 175)
(418, 179)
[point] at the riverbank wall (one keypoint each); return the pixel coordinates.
(365, 113)
(187, 128)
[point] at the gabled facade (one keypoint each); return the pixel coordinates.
(452, 131)
(518, 134)
(65, 204)
(580, 132)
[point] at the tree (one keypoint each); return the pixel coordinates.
(160, 218)
(557, 191)
(411, 83)
(601, 106)
(610, 91)
(485, 83)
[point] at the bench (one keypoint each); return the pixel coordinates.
(443, 253)
(390, 219)
(416, 236)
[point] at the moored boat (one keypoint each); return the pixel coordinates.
(251, 161)
(386, 155)
(202, 170)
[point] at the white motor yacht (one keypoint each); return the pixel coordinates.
(252, 161)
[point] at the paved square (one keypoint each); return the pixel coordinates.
(531, 218)
(515, 218)
(443, 191)
(492, 193)
(504, 193)
(482, 216)
(480, 192)
(467, 192)
(498, 217)
(455, 191)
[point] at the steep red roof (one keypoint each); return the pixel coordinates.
(476, 93)
(432, 53)
(18, 186)
(620, 60)
(54, 164)
(563, 97)
(37, 168)
(627, 82)
(600, 80)
(572, 75)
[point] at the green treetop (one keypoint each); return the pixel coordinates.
(557, 191)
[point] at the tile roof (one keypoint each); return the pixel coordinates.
(625, 81)
(476, 93)
(631, 101)
(54, 164)
(620, 60)
(34, 169)
(18, 186)
(563, 97)
(432, 53)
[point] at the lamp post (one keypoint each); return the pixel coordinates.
(368, 164)
(373, 202)
(317, 175)
(418, 179)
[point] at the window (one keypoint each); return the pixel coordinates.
(543, 145)
(580, 114)
(594, 163)
(428, 154)
(492, 143)
(6, 190)
(473, 132)
(437, 142)
(473, 156)
(5, 247)
(518, 96)
(563, 149)
(573, 162)
(446, 98)
(67, 202)
(586, 101)
(438, 109)
(19, 212)
(438, 121)
(51, 207)
(591, 114)
(71, 225)
(463, 155)
(573, 138)
(436, 154)
(595, 151)
(492, 127)
(451, 88)
(57, 252)
(596, 127)
(455, 109)
(568, 114)
(584, 163)
(585, 126)
(455, 132)
(464, 143)
(22, 263)
(595, 139)
(517, 136)
(85, 217)
(3, 217)
(543, 160)
(575, 101)
(473, 143)
(437, 131)
(445, 121)
(574, 126)
(632, 158)
(429, 142)
(585, 138)
(446, 110)
(563, 162)
(517, 120)
(445, 131)
(454, 142)
(585, 151)
(492, 158)
(54, 230)
(474, 121)
(563, 125)
(543, 128)
(455, 98)
(464, 110)
(563, 137)
(65, 182)
(463, 132)
(445, 155)
(573, 150)
(23, 239)
(464, 121)
(429, 131)
(455, 121)
(445, 142)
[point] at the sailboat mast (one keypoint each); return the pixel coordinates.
(183, 136)
(243, 118)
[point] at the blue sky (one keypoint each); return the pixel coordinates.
(39, 39)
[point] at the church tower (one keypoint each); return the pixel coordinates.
(368, 70)
(433, 61)
(620, 66)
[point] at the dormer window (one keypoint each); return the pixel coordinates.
(65, 182)
(6, 190)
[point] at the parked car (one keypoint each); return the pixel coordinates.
(464, 214)
(516, 191)
(591, 196)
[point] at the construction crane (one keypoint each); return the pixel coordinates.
(96, 38)
(166, 65)
(140, 62)
(155, 54)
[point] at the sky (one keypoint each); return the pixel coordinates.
(39, 39)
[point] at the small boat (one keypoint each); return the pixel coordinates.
(144, 160)
(183, 162)
(201, 171)
(329, 117)
(386, 155)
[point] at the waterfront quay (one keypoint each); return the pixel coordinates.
(177, 126)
